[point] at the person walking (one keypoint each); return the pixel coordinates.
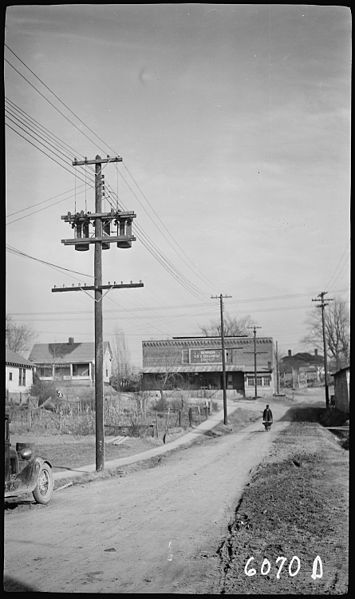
(267, 417)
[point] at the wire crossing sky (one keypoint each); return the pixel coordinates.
(233, 123)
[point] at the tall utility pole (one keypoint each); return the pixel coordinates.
(322, 304)
(81, 222)
(225, 417)
(255, 368)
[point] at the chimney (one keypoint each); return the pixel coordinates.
(316, 352)
(71, 340)
(289, 353)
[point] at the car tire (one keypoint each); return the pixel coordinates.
(44, 489)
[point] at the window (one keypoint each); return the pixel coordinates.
(267, 381)
(62, 370)
(22, 377)
(185, 356)
(229, 356)
(10, 376)
(44, 371)
(250, 380)
(81, 369)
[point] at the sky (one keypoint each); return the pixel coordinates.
(233, 125)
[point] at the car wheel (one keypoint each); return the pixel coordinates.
(44, 488)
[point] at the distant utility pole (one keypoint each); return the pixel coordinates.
(277, 370)
(225, 420)
(255, 368)
(81, 222)
(322, 304)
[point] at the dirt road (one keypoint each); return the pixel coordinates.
(140, 532)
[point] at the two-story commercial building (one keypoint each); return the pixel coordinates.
(196, 363)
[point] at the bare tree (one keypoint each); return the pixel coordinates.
(121, 365)
(19, 338)
(337, 331)
(231, 325)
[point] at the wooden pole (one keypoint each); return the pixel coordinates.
(99, 387)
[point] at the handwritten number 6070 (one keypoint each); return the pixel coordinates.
(293, 567)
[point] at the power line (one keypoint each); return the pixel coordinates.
(151, 248)
(17, 252)
(57, 97)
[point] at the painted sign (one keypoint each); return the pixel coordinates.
(205, 356)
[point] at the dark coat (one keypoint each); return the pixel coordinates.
(267, 415)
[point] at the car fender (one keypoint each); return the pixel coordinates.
(40, 461)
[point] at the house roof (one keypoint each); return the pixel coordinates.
(302, 359)
(16, 360)
(64, 353)
(345, 369)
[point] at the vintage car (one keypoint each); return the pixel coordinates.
(25, 472)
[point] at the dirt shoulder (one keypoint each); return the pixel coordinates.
(296, 506)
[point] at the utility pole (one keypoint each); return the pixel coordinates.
(225, 417)
(322, 304)
(277, 370)
(255, 368)
(102, 223)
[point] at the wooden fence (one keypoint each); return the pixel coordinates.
(79, 418)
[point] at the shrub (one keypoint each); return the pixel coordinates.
(43, 390)
(161, 405)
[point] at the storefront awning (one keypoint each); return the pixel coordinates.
(193, 369)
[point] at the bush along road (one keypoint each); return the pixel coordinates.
(239, 511)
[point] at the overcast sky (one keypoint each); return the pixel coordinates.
(233, 123)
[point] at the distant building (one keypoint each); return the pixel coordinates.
(196, 363)
(19, 373)
(342, 389)
(301, 370)
(71, 362)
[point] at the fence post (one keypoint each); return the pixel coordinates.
(190, 416)
(167, 423)
(179, 417)
(156, 424)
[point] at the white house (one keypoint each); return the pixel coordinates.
(70, 362)
(19, 373)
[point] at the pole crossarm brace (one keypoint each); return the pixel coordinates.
(93, 288)
(106, 239)
(97, 160)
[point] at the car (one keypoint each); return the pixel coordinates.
(25, 472)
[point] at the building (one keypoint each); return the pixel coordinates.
(301, 370)
(196, 363)
(19, 373)
(342, 389)
(70, 363)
